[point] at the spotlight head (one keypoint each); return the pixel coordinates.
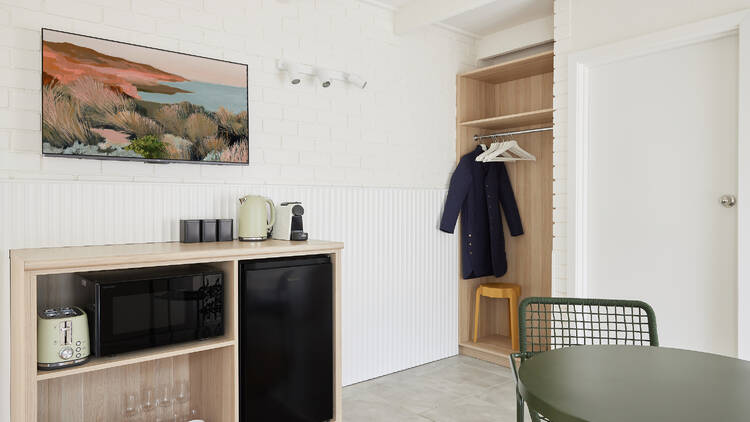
(292, 70)
(294, 75)
(356, 80)
(324, 77)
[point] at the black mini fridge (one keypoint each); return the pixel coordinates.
(286, 339)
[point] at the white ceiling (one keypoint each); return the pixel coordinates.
(495, 16)
(500, 15)
(395, 3)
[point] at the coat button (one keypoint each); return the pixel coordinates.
(469, 243)
(469, 252)
(469, 234)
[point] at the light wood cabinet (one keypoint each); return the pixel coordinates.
(94, 391)
(510, 96)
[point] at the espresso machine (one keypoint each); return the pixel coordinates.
(288, 224)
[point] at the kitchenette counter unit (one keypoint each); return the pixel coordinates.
(42, 277)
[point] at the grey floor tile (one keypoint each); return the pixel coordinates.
(356, 410)
(464, 379)
(416, 395)
(470, 409)
(357, 390)
(457, 389)
(502, 393)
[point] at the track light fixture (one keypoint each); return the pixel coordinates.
(295, 71)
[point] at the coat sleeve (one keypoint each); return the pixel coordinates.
(508, 202)
(457, 193)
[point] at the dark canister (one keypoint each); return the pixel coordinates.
(225, 231)
(190, 231)
(208, 230)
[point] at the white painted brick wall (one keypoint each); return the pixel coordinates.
(560, 172)
(397, 132)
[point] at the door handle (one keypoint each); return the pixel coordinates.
(728, 201)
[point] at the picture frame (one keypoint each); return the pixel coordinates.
(110, 100)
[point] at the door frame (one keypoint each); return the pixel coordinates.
(579, 66)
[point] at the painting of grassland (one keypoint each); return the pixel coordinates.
(104, 99)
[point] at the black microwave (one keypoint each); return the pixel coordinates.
(148, 307)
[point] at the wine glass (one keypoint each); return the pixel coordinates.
(148, 401)
(163, 398)
(181, 393)
(165, 414)
(130, 406)
(193, 415)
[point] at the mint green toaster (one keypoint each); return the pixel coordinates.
(62, 337)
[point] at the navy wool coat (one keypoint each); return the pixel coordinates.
(478, 190)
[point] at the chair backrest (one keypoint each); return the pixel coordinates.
(548, 323)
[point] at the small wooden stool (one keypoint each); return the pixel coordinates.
(500, 291)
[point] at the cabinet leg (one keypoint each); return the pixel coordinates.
(476, 313)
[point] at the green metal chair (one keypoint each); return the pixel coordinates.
(548, 323)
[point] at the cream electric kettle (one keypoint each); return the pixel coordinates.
(254, 222)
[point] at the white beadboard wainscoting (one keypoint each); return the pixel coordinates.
(399, 298)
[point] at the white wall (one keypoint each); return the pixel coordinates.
(583, 24)
(389, 149)
(303, 134)
(599, 22)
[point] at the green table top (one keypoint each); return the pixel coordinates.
(636, 383)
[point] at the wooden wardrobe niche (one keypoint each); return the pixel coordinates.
(510, 96)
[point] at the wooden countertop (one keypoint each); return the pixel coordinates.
(80, 257)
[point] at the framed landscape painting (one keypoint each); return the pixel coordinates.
(110, 100)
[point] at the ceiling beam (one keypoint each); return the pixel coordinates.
(419, 13)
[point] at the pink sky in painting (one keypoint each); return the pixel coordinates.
(189, 67)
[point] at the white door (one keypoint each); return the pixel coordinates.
(662, 151)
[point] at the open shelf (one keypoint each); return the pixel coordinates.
(512, 120)
(536, 64)
(98, 396)
(97, 364)
(494, 348)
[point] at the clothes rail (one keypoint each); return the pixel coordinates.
(517, 132)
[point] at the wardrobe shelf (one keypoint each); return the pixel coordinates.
(96, 364)
(514, 69)
(512, 120)
(493, 348)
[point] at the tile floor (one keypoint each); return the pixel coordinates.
(456, 389)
